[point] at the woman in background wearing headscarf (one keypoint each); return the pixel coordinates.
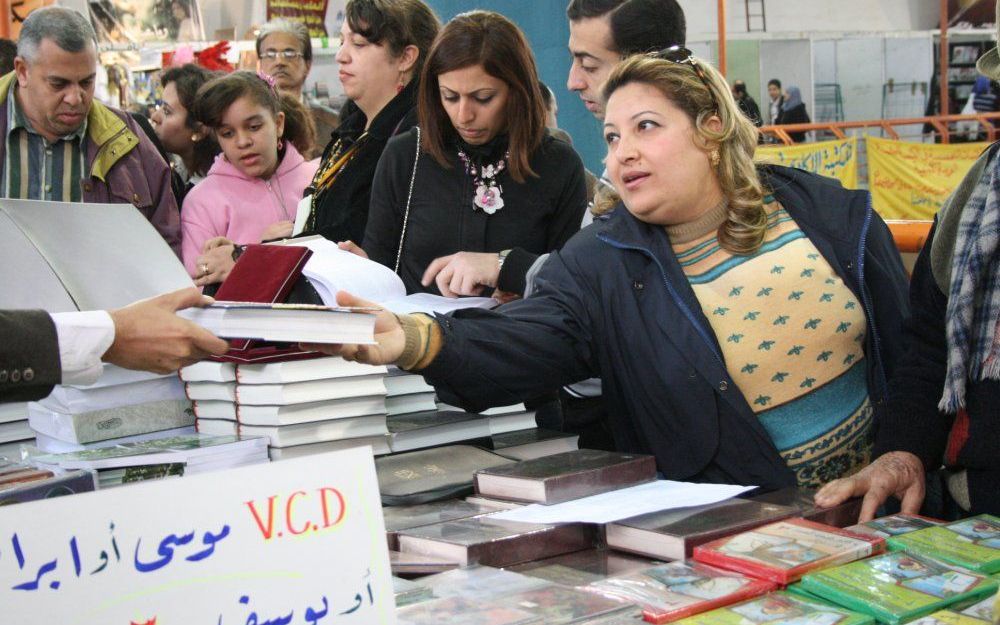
(793, 111)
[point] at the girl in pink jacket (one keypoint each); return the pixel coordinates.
(251, 192)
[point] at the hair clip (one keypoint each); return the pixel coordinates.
(269, 79)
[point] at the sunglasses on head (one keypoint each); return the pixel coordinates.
(683, 56)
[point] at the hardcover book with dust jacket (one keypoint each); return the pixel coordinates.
(673, 534)
(566, 476)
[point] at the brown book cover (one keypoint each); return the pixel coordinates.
(843, 515)
(491, 542)
(407, 517)
(566, 476)
(673, 534)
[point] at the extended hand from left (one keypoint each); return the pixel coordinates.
(151, 337)
(464, 273)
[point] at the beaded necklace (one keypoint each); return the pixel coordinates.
(329, 170)
(488, 194)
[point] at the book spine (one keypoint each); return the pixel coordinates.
(535, 546)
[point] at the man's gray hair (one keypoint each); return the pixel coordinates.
(68, 29)
(297, 29)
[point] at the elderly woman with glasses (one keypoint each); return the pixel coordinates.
(744, 318)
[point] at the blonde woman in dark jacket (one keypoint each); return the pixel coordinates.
(744, 321)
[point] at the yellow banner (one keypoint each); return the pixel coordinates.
(912, 180)
(834, 159)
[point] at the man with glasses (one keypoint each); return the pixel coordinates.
(285, 52)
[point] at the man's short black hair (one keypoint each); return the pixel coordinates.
(740, 87)
(583, 9)
(775, 82)
(637, 26)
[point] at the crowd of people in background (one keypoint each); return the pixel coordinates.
(743, 323)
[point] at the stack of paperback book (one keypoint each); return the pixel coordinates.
(302, 406)
(121, 404)
(14, 430)
(165, 457)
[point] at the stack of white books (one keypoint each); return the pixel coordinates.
(407, 393)
(301, 406)
(503, 419)
(121, 404)
(14, 430)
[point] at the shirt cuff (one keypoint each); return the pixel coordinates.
(83, 339)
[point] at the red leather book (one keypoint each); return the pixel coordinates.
(263, 274)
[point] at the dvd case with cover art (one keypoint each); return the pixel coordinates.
(581, 568)
(984, 609)
(898, 587)
(406, 517)
(973, 543)
(558, 605)
(894, 525)
(479, 581)
(782, 552)
(671, 591)
(463, 611)
(779, 607)
(947, 617)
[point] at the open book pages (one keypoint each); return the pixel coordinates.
(331, 269)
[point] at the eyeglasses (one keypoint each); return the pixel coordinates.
(271, 55)
(683, 56)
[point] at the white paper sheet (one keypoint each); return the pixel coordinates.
(625, 503)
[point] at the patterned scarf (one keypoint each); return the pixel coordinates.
(974, 294)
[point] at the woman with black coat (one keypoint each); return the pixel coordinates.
(489, 189)
(793, 111)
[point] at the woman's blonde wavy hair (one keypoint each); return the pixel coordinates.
(744, 228)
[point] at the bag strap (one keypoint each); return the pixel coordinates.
(409, 197)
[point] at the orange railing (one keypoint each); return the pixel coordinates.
(942, 125)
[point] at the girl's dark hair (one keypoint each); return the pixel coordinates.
(396, 24)
(217, 95)
(187, 79)
(494, 42)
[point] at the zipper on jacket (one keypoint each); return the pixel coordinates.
(862, 244)
(670, 289)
